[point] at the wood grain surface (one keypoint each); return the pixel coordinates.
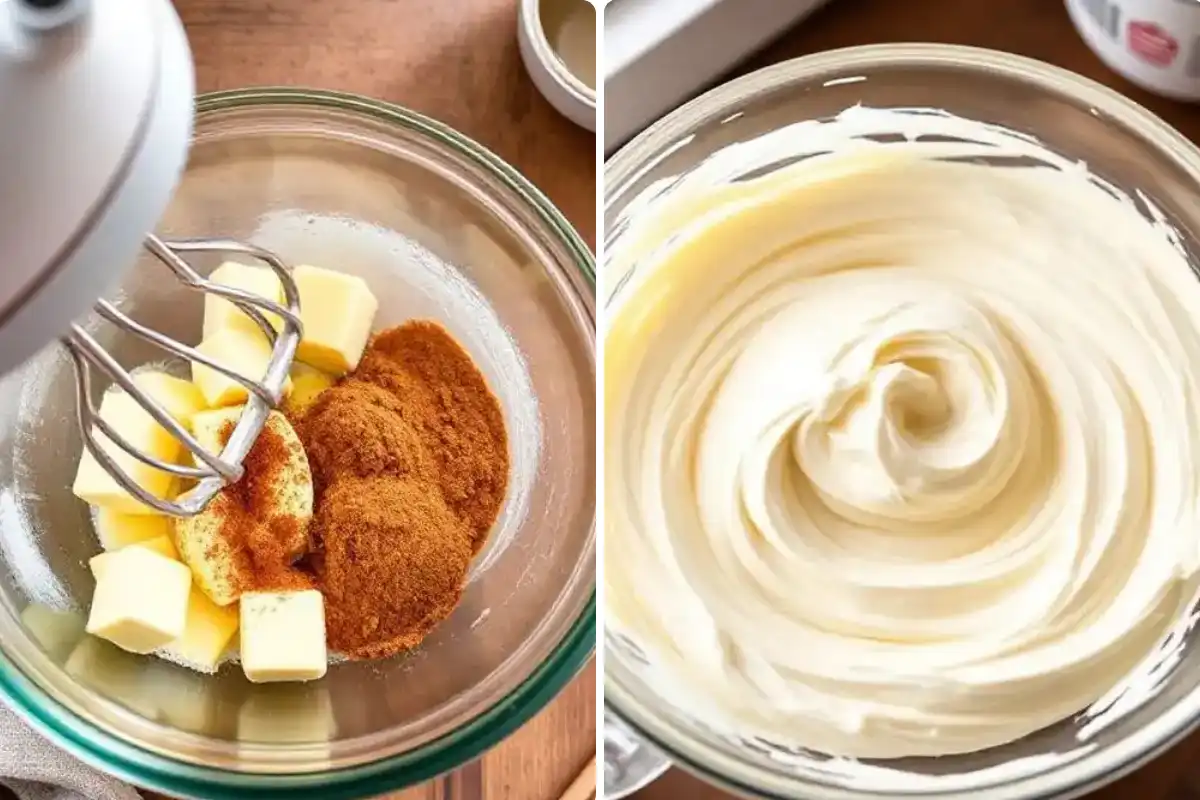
(457, 61)
(1039, 29)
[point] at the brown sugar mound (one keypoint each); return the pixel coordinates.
(356, 430)
(394, 559)
(410, 463)
(447, 401)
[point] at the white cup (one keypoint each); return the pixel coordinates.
(551, 74)
(1153, 43)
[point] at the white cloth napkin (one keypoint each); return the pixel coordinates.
(34, 769)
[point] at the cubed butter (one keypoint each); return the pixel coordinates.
(206, 634)
(163, 545)
(159, 545)
(283, 636)
(116, 530)
(178, 396)
(141, 599)
(213, 557)
(307, 385)
(94, 485)
(337, 311)
(209, 427)
(244, 353)
(221, 314)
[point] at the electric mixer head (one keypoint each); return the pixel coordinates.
(116, 76)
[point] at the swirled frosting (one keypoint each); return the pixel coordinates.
(901, 448)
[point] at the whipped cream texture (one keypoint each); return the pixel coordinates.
(902, 448)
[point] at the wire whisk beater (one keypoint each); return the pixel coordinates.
(210, 471)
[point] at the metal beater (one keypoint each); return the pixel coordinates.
(213, 471)
(118, 76)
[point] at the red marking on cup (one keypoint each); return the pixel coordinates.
(1152, 44)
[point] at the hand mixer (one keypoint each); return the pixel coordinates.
(95, 119)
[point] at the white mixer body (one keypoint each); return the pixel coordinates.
(96, 103)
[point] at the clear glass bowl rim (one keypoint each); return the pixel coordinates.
(640, 155)
(152, 771)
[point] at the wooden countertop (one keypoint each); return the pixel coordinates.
(458, 62)
(454, 60)
(1039, 29)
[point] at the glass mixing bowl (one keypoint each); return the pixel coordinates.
(439, 228)
(1118, 140)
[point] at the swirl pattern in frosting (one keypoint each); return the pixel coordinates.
(902, 449)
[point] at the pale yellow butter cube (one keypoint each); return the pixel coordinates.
(179, 397)
(94, 485)
(212, 555)
(212, 429)
(244, 353)
(209, 426)
(163, 545)
(160, 545)
(99, 565)
(220, 314)
(206, 634)
(116, 530)
(308, 384)
(141, 599)
(337, 311)
(283, 636)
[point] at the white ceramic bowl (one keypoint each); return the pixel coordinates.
(574, 99)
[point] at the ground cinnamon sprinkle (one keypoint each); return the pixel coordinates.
(392, 566)
(409, 456)
(257, 534)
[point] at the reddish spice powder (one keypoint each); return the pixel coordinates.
(393, 563)
(446, 401)
(262, 539)
(410, 465)
(358, 430)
